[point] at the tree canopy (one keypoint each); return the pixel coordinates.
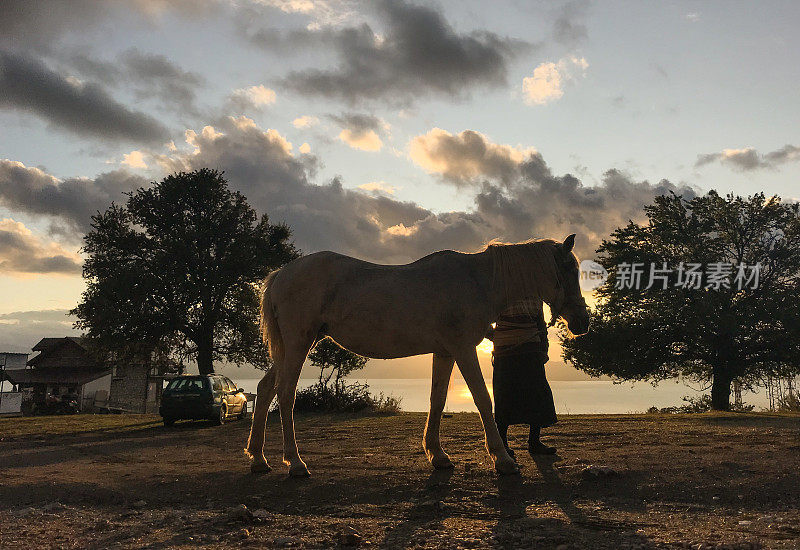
(723, 301)
(334, 362)
(177, 269)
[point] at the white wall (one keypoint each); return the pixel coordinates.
(10, 402)
(88, 390)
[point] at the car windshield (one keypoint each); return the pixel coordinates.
(188, 385)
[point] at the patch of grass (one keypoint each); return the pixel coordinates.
(22, 427)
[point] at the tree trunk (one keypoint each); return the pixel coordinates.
(721, 390)
(205, 359)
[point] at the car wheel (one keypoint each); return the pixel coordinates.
(223, 413)
(169, 421)
(243, 414)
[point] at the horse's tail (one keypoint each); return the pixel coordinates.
(270, 332)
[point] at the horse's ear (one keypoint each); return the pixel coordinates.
(569, 243)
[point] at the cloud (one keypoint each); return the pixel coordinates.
(323, 12)
(366, 140)
(23, 253)
(548, 78)
(544, 204)
(467, 158)
(146, 75)
(305, 121)
(361, 131)
(417, 53)
(749, 159)
(253, 97)
(378, 187)
(153, 75)
(21, 330)
(70, 203)
(40, 26)
(304, 149)
(569, 28)
(519, 198)
(262, 165)
(134, 159)
(26, 84)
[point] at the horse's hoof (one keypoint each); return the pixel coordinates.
(442, 463)
(299, 471)
(260, 468)
(506, 468)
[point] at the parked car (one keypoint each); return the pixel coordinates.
(211, 397)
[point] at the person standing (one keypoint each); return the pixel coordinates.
(522, 394)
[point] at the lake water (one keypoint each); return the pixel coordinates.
(571, 397)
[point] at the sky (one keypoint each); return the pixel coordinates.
(385, 130)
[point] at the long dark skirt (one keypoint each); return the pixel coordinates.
(521, 392)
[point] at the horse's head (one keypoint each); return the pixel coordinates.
(567, 301)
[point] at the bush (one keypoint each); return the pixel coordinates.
(696, 405)
(344, 397)
(789, 402)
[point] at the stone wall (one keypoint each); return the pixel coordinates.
(133, 390)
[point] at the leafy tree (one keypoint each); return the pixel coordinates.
(706, 334)
(334, 362)
(177, 269)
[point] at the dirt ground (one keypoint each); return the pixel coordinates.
(725, 481)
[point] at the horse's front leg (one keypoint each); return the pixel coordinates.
(440, 381)
(467, 360)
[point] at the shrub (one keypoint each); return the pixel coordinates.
(697, 405)
(789, 402)
(344, 397)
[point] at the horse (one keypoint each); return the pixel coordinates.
(442, 304)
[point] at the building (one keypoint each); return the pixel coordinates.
(10, 402)
(64, 365)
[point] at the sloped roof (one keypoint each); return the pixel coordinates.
(46, 346)
(48, 343)
(77, 376)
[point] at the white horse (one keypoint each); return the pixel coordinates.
(441, 304)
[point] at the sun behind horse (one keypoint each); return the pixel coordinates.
(440, 304)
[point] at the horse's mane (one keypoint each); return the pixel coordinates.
(525, 270)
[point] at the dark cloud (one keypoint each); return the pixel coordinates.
(40, 25)
(360, 122)
(569, 28)
(749, 159)
(418, 52)
(35, 25)
(153, 75)
(27, 84)
(69, 203)
(546, 205)
(517, 196)
(22, 253)
(538, 203)
(147, 75)
(467, 158)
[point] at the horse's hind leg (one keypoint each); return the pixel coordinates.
(440, 381)
(471, 371)
(287, 390)
(255, 443)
